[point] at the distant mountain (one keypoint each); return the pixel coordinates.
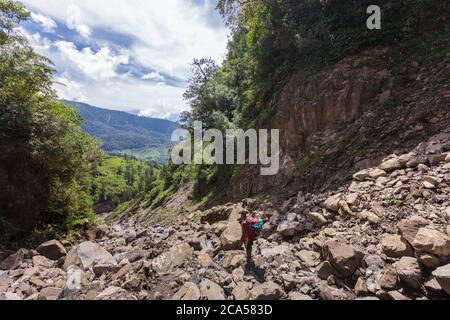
(124, 133)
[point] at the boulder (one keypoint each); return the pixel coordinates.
(318, 219)
(394, 246)
(389, 278)
(85, 254)
(230, 239)
(188, 292)
(289, 228)
(266, 291)
(173, 258)
(325, 270)
(115, 293)
(345, 259)
(370, 216)
(409, 272)
(310, 258)
(211, 290)
(408, 228)
(41, 261)
(74, 281)
(369, 174)
(14, 261)
(216, 214)
(8, 296)
(52, 250)
(241, 292)
(332, 203)
(433, 242)
(233, 259)
(391, 165)
(50, 294)
(297, 296)
(442, 276)
(280, 250)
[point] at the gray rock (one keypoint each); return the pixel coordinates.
(266, 291)
(409, 272)
(85, 254)
(211, 290)
(173, 258)
(188, 292)
(53, 250)
(344, 258)
(442, 276)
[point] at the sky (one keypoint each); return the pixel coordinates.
(126, 55)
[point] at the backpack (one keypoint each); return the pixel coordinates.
(258, 226)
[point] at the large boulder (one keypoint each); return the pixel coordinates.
(395, 246)
(211, 290)
(289, 228)
(332, 203)
(310, 258)
(391, 165)
(408, 228)
(233, 259)
(216, 214)
(281, 250)
(173, 258)
(8, 296)
(433, 242)
(344, 259)
(442, 276)
(230, 239)
(266, 291)
(14, 261)
(241, 292)
(52, 250)
(188, 292)
(86, 254)
(409, 272)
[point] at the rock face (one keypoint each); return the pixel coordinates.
(176, 256)
(53, 250)
(85, 254)
(344, 258)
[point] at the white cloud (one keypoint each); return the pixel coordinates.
(100, 65)
(74, 22)
(47, 24)
(164, 36)
(154, 76)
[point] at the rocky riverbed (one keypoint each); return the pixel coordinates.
(386, 236)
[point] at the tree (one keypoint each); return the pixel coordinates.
(45, 157)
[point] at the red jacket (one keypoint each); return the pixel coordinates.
(248, 233)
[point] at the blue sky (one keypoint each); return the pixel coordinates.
(128, 55)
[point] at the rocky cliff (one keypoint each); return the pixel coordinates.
(341, 120)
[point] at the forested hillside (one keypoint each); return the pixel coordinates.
(52, 173)
(122, 133)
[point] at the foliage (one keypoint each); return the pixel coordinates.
(45, 157)
(121, 179)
